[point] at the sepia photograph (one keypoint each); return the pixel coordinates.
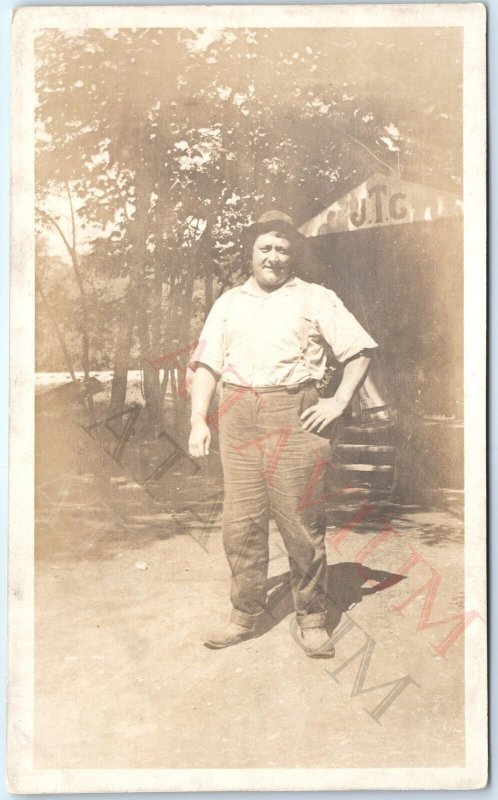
(248, 320)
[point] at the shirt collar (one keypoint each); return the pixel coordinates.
(249, 286)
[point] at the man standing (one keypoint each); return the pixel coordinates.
(267, 340)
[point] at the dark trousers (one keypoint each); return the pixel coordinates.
(272, 466)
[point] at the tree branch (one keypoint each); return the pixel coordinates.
(73, 225)
(81, 287)
(59, 230)
(58, 331)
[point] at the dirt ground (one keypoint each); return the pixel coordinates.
(128, 583)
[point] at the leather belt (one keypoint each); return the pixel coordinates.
(291, 388)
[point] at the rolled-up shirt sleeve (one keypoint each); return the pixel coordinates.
(209, 350)
(340, 328)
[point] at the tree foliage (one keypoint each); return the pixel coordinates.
(169, 141)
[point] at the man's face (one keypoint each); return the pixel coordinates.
(271, 260)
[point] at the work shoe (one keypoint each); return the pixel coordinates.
(317, 643)
(231, 633)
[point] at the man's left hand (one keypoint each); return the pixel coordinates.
(317, 417)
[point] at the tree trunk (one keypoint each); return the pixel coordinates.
(122, 357)
(209, 284)
(133, 296)
(152, 381)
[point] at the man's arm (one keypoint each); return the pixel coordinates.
(317, 417)
(203, 388)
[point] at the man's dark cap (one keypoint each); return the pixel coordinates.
(273, 221)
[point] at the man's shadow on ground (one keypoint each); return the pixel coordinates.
(345, 588)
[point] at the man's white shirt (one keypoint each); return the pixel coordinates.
(257, 340)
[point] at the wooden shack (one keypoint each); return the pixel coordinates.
(392, 250)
